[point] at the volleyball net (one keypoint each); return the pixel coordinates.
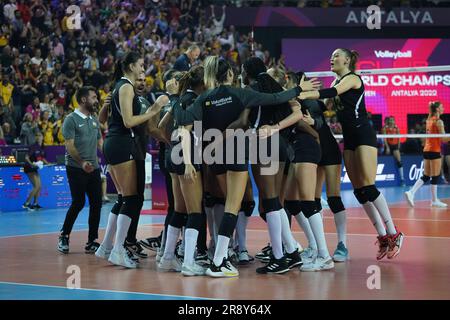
(403, 93)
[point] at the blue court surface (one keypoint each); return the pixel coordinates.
(48, 222)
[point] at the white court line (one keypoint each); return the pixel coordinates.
(403, 219)
(102, 290)
(359, 234)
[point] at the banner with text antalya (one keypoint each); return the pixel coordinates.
(391, 94)
(332, 17)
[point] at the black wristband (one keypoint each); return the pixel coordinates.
(328, 93)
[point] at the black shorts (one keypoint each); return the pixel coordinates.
(306, 149)
(120, 149)
(29, 169)
(431, 155)
(331, 154)
(219, 169)
(393, 147)
(362, 135)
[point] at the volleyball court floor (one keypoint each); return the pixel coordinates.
(31, 267)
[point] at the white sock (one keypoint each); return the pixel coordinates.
(241, 231)
(382, 207)
(400, 171)
(218, 210)
(110, 231)
(374, 216)
(288, 240)
(304, 224)
(211, 225)
(123, 224)
(416, 186)
(316, 223)
(171, 242)
(340, 219)
(221, 249)
(190, 243)
(434, 192)
(274, 224)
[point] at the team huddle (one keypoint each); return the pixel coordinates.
(285, 115)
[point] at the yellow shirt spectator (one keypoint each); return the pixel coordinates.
(6, 92)
(47, 130)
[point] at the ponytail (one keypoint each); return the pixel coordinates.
(124, 65)
(353, 55)
(118, 71)
(192, 79)
(216, 70)
(433, 107)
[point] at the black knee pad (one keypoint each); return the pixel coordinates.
(263, 216)
(360, 196)
(293, 207)
(179, 219)
(218, 200)
(435, 179)
(425, 178)
(318, 203)
(398, 163)
(131, 206)
(116, 207)
(247, 207)
(228, 224)
(195, 221)
(371, 192)
(309, 208)
(272, 204)
(336, 204)
(209, 200)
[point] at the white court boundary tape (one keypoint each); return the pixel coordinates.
(411, 135)
(383, 71)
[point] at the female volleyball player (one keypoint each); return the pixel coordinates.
(121, 148)
(277, 118)
(392, 145)
(217, 108)
(432, 157)
(360, 147)
(188, 193)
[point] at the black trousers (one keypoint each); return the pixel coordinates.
(140, 172)
(82, 184)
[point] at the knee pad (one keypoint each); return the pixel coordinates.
(435, 179)
(309, 208)
(293, 207)
(131, 206)
(209, 200)
(425, 178)
(398, 163)
(179, 219)
(116, 207)
(195, 221)
(247, 207)
(371, 192)
(318, 203)
(336, 204)
(228, 224)
(272, 204)
(360, 196)
(218, 200)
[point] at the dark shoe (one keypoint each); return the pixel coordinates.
(279, 266)
(91, 247)
(63, 244)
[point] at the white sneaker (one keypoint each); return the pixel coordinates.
(122, 258)
(159, 254)
(438, 204)
(192, 270)
(225, 270)
(170, 264)
(410, 198)
(318, 264)
(244, 257)
(102, 252)
(308, 255)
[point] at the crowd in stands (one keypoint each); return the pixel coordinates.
(45, 56)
